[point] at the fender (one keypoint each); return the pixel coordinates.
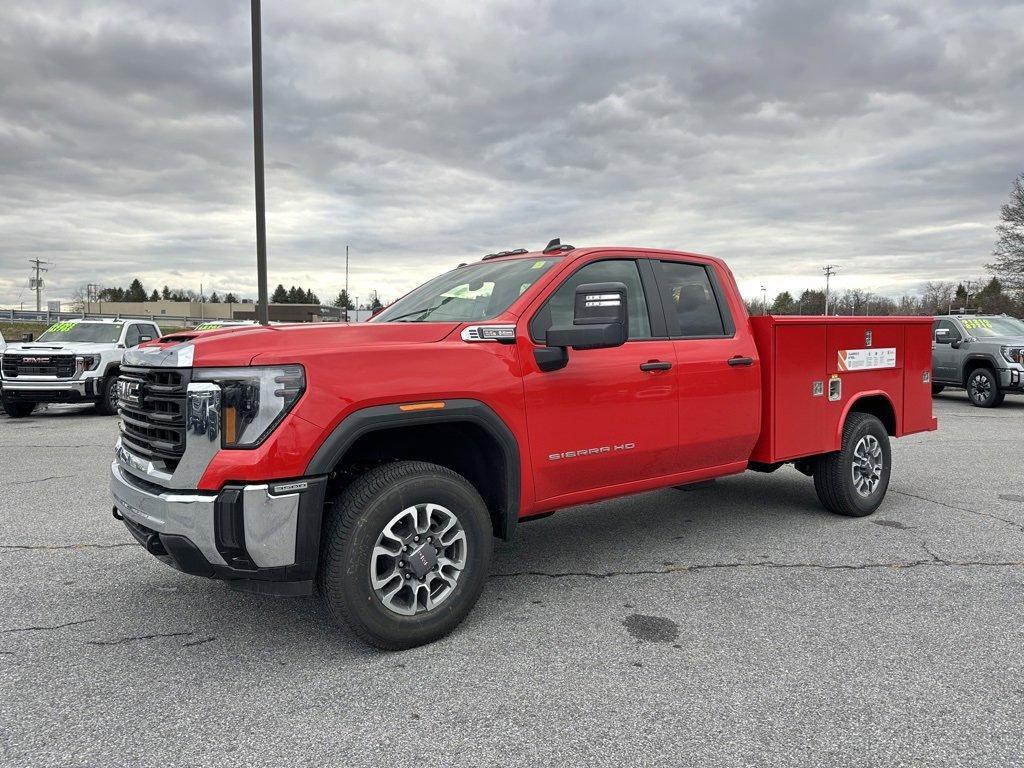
(849, 407)
(977, 356)
(380, 417)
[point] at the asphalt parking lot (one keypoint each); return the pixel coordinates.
(735, 625)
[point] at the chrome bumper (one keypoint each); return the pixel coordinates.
(270, 521)
(44, 385)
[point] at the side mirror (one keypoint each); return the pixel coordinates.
(955, 343)
(600, 319)
(942, 336)
(26, 338)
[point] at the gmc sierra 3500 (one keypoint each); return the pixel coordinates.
(375, 462)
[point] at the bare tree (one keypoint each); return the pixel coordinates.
(937, 297)
(1009, 250)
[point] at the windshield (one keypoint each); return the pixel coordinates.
(97, 332)
(980, 327)
(476, 292)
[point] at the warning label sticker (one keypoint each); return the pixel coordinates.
(867, 359)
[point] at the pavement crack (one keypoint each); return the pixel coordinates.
(86, 545)
(934, 561)
(194, 643)
(978, 512)
(135, 638)
(47, 628)
(40, 480)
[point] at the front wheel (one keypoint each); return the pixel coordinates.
(107, 404)
(18, 410)
(853, 480)
(983, 388)
(405, 554)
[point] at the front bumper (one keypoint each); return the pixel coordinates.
(1012, 379)
(50, 391)
(262, 538)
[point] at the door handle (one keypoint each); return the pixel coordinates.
(655, 365)
(741, 360)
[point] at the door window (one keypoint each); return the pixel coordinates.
(952, 334)
(558, 309)
(691, 307)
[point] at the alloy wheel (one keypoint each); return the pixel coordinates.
(868, 463)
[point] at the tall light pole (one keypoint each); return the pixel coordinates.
(347, 299)
(262, 308)
(764, 300)
(829, 270)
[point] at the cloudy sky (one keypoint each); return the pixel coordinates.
(879, 136)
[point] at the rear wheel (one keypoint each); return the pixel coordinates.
(983, 388)
(107, 404)
(405, 554)
(18, 410)
(853, 480)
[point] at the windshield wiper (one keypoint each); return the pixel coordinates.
(426, 311)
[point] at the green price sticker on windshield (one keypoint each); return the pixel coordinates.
(977, 322)
(61, 327)
(539, 265)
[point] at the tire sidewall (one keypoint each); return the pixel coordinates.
(109, 387)
(351, 583)
(865, 505)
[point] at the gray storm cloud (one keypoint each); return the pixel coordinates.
(780, 135)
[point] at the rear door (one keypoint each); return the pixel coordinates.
(602, 420)
(717, 373)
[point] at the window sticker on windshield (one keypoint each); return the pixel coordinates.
(976, 322)
(539, 265)
(61, 327)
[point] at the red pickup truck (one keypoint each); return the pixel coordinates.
(375, 462)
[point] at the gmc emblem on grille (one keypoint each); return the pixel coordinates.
(129, 392)
(35, 360)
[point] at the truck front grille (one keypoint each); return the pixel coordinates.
(152, 404)
(61, 366)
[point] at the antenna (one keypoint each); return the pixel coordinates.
(262, 308)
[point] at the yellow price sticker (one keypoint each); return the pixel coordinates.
(539, 265)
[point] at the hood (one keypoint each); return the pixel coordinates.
(57, 348)
(1003, 341)
(240, 345)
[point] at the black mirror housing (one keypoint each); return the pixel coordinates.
(600, 319)
(26, 338)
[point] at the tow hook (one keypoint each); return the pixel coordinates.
(118, 515)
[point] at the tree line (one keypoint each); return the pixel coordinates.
(1001, 293)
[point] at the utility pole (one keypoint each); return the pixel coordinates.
(37, 282)
(967, 287)
(829, 270)
(764, 301)
(347, 299)
(262, 307)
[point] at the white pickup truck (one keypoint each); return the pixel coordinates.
(74, 361)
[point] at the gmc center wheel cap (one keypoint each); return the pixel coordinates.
(418, 559)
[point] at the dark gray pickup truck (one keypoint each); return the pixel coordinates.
(983, 354)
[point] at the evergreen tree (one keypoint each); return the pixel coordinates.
(343, 300)
(135, 291)
(230, 298)
(165, 294)
(295, 295)
(214, 298)
(154, 296)
(280, 295)
(375, 304)
(784, 304)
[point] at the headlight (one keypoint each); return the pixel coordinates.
(1013, 354)
(253, 400)
(88, 362)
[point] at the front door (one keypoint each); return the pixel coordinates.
(945, 359)
(611, 415)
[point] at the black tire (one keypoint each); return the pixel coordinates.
(834, 473)
(18, 410)
(107, 405)
(983, 388)
(937, 388)
(354, 522)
